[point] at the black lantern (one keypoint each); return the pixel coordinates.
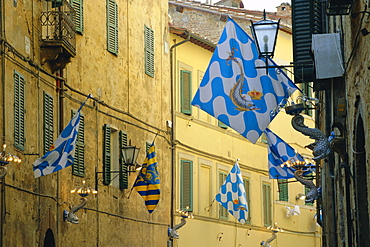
(265, 34)
(129, 154)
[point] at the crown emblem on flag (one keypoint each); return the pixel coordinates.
(256, 95)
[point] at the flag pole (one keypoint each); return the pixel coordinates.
(155, 137)
(88, 97)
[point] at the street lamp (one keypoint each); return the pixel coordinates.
(5, 158)
(265, 34)
(129, 154)
(83, 191)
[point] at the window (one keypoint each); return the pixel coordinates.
(247, 192)
(222, 125)
(48, 121)
(112, 26)
(283, 189)
(113, 163)
(56, 3)
(78, 167)
(306, 20)
(78, 19)
(149, 51)
(19, 110)
(266, 202)
(306, 190)
(223, 213)
(185, 91)
(186, 185)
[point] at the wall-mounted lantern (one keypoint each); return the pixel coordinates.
(83, 191)
(129, 155)
(6, 158)
(265, 34)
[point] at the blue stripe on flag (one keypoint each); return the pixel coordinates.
(234, 91)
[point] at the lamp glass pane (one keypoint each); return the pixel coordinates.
(130, 154)
(266, 32)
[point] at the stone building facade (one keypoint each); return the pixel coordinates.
(53, 54)
(344, 109)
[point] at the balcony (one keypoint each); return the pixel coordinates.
(58, 35)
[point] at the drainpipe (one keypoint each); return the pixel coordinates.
(173, 119)
(60, 91)
(2, 187)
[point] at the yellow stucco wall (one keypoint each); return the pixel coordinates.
(213, 149)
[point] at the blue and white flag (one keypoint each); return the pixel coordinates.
(61, 153)
(280, 152)
(235, 92)
(232, 195)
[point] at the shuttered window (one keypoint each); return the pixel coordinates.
(186, 185)
(123, 176)
(19, 110)
(306, 20)
(106, 154)
(149, 51)
(283, 190)
(266, 201)
(185, 91)
(222, 212)
(78, 167)
(78, 18)
(222, 125)
(48, 121)
(56, 3)
(247, 192)
(306, 190)
(112, 26)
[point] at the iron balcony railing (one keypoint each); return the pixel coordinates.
(57, 24)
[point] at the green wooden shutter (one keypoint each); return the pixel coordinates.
(19, 110)
(306, 20)
(112, 26)
(223, 213)
(78, 19)
(78, 167)
(48, 121)
(147, 146)
(222, 125)
(306, 190)
(186, 185)
(123, 176)
(149, 51)
(266, 197)
(247, 192)
(106, 155)
(283, 190)
(185, 91)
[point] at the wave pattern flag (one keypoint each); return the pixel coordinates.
(147, 183)
(279, 152)
(61, 153)
(235, 92)
(232, 195)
